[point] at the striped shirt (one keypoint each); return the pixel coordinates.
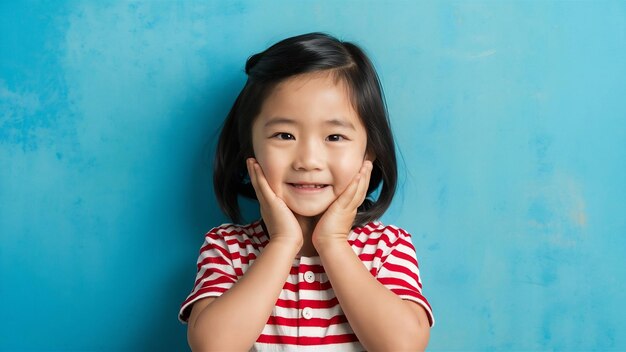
(307, 315)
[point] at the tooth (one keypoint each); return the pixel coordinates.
(308, 185)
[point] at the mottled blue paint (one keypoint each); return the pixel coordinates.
(510, 118)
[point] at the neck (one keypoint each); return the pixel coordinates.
(307, 224)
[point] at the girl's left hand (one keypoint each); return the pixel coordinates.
(336, 222)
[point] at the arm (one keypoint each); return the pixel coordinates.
(381, 320)
(235, 320)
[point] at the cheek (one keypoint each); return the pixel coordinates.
(273, 172)
(346, 168)
(263, 157)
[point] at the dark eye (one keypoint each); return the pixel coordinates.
(336, 138)
(283, 136)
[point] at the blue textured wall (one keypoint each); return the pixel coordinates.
(511, 119)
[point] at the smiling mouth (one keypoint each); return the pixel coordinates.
(308, 186)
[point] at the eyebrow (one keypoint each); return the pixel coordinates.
(278, 120)
(340, 123)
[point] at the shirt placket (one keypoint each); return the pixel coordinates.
(308, 279)
(300, 304)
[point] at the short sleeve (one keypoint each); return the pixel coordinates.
(215, 274)
(399, 272)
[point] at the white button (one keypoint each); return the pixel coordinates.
(309, 277)
(307, 313)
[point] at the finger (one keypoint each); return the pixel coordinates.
(344, 200)
(369, 167)
(361, 191)
(254, 178)
(264, 187)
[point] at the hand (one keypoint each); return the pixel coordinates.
(336, 222)
(281, 224)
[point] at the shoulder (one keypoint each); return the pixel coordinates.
(228, 229)
(229, 232)
(377, 230)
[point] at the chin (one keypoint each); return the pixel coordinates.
(308, 211)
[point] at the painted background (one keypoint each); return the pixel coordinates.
(510, 117)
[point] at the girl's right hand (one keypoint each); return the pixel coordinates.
(281, 224)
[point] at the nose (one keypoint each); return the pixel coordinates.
(309, 156)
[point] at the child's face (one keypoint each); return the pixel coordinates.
(309, 142)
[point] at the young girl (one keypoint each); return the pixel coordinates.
(309, 138)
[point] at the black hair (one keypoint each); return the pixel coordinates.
(307, 53)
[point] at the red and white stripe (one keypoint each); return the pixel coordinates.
(307, 313)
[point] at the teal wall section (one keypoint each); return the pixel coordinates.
(510, 116)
